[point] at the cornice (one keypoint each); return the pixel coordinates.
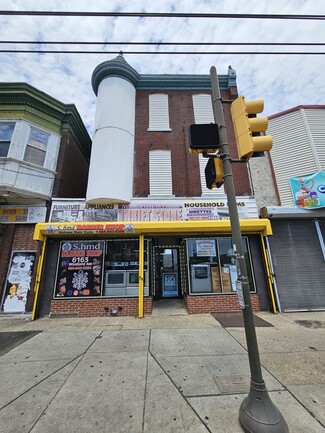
(118, 67)
(21, 97)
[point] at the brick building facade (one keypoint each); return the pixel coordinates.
(39, 137)
(149, 228)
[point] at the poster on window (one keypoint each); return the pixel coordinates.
(206, 248)
(80, 269)
(309, 191)
(19, 281)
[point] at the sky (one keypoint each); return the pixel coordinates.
(283, 81)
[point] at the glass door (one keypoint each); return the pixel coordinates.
(167, 272)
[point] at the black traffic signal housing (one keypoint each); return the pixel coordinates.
(204, 138)
(214, 173)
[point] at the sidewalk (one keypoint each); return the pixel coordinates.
(159, 374)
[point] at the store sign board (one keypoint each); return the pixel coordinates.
(309, 191)
(89, 229)
(20, 215)
(80, 269)
(18, 281)
(152, 210)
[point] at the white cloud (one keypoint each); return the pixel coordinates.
(282, 81)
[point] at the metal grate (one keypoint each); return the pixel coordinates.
(10, 340)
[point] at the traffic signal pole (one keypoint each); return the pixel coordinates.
(257, 413)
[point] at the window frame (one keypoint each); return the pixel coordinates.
(7, 141)
(30, 146)
(159, 119)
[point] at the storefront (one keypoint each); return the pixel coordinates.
(117, 268)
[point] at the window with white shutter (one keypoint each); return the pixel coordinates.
(158, 112)
(160, 172)
(203, 113)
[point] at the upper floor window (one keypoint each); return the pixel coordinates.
(160, 172)
(203, 111)
(158, 112)
(6, 131)
(36, 147)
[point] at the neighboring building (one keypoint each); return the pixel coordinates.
(149, 228)
(44, 153)
(297, 213)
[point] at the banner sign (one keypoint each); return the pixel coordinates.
(151, 210)
(80, 269)
(18, 281)
(309, 191)
(19, 215)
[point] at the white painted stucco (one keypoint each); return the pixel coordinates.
(111, 164)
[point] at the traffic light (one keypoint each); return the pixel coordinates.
(214, 173)
(204, 138)
(248, 127)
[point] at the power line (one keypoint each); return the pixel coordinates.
(282, 44)
(288, 53)
(162, 15)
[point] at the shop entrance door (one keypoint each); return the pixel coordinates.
(166, 272)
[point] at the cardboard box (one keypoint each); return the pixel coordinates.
(226, 281)
(216, 280)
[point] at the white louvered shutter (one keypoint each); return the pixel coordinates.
(203, 113)
(160, 172)
(158, 112)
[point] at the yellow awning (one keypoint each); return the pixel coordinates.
(106, 229)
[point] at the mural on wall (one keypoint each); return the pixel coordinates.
(18, 281)
(309, 191)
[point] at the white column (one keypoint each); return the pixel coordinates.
(111, 165)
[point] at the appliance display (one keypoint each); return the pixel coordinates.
(124, 283)
(201, 278)
(132, 283)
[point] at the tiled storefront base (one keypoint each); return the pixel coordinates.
(99, 307)
(217, 304)
(129, 306)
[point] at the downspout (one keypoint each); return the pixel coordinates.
(38, 277)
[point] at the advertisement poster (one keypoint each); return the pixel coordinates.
(309, 191)
(18, 281)
(80, 269)
(206, 248)
(170, 286)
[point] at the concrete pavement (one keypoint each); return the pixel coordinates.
(160, 374)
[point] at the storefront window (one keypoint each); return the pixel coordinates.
(99, 268)
(212, 266)
(122, 268)
(80, 269)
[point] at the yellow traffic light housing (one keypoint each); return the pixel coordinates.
(214, 173)
(248, 127)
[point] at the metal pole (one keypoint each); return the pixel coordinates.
(257, 413)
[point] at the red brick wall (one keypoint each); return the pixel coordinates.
(100, 307)
(69, 182)
(185, 166)
(217, 303)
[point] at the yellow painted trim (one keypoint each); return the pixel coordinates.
(106, 229)
(141, 277)
(269, 274)
(38, 278)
